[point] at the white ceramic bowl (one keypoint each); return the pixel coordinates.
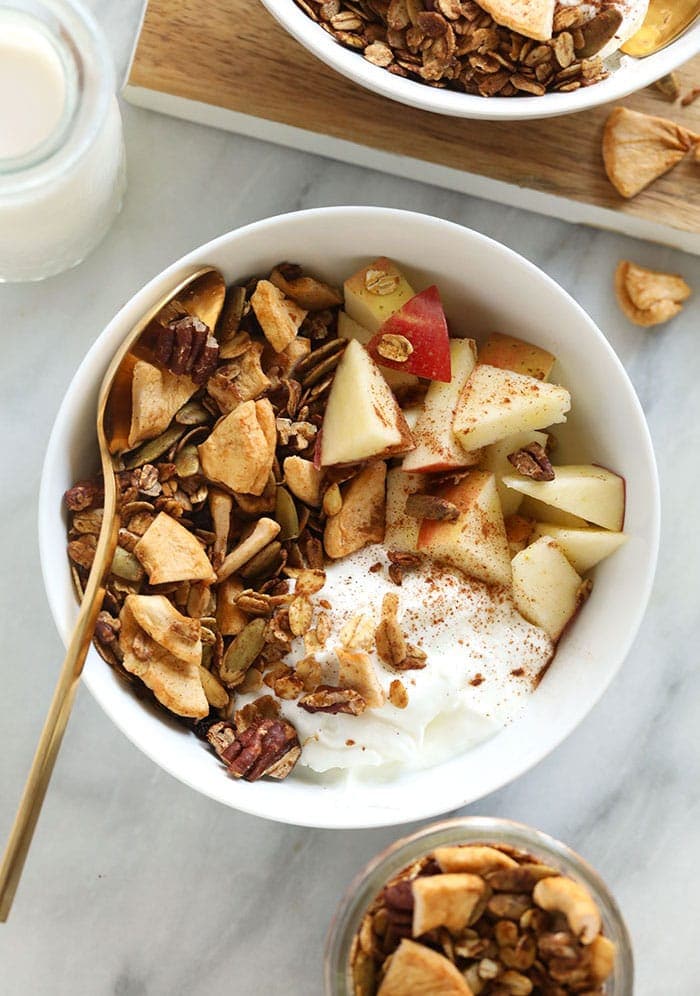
(484, 286)
(632, 75)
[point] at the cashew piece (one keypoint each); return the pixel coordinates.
(563, 895)
(602, 958)
(264, 532)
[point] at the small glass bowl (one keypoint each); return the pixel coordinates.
(468, 830)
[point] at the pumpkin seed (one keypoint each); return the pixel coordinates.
(307, 367)
(263, 563)
(215, 692)
(126, 566)
(243, 650)
(187, 461)
(231, 314)
(286, 515)
(154, 448)
(192, 413)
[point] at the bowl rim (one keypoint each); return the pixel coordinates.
(93, 364)
(634, 75)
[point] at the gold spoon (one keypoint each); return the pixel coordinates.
(201, 294)
(664, 22)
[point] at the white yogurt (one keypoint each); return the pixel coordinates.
(483, 662)
(61, 149)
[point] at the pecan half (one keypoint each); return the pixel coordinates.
(268, 747)
(329, 699)
(532, 461)
(431, 507)
(186, 346)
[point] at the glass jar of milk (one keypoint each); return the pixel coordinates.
(62, 174)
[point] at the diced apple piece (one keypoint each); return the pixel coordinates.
(362, 417)
(593, 493)
(497, 403)
(476, 542)
(348, 328)
(519, 531)
(436, 447)
(534, 509)
(401, 529)
(375, 292)
(422, 323)
(583, 548)
(547, 591)
(495, 460)
(515, 354)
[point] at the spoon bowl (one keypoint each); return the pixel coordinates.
(665, 21)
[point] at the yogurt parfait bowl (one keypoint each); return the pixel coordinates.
(359, 581)
(495, 60)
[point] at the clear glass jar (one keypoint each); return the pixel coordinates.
(59, 196)
(468, 830)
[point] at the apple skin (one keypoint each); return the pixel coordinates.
(476, 542)
(348, 328)
(372, 310)
(436, 448)
(422, 321)
(509, 353)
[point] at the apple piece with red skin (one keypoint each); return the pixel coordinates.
(547, 591)
(585, 490)
(509, 353)
(475, 542)
(437, 449)
(362, 418)
(422, 322)
(348, 328)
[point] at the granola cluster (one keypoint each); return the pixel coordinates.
(456, 44)
(481, 920)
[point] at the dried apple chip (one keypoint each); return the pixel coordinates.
(164, 649)
(639, 148)
(648, 297)
(416, 970)
(169, 552)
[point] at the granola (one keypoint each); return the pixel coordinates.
(482, 47)
(481, 918)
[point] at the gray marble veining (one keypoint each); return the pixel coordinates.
(138, 887)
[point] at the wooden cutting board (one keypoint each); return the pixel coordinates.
(228, 63)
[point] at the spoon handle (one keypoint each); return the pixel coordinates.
(59, 711)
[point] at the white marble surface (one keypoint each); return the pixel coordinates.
(135, 885)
